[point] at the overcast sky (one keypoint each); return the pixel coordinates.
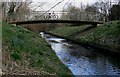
(49, 3)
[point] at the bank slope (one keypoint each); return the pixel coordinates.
(26, 53)
(104, 36)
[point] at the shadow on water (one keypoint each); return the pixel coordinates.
(81, 60)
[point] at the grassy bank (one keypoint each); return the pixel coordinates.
(69, 31)
(25, 52)
(105, 36)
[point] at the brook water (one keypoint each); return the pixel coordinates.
(83, 60)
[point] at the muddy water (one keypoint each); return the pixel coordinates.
(83, 60)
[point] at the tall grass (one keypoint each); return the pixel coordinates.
(28, 50)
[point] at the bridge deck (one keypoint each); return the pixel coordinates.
(55, 21)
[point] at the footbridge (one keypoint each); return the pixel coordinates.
(94, 23)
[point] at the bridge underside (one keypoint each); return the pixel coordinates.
(56, 21)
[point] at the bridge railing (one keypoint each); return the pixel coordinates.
(87, 16)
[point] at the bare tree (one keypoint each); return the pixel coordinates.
(4, 11)
(103, 7)
(14, 10)
(93, 13)
(73, 13)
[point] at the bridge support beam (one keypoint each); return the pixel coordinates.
(94, 25)
(56, 21)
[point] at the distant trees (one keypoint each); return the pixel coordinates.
(104, 10)
(20, 10)
(108, 10)
(83, 13)
(73, 13)
(91, 9)
(92, 13)
(114, 13)
(119, 3)
(99, 11)
(16, 10)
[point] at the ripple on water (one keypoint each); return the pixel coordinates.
(81, 60)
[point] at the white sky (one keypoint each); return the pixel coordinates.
(50, 3)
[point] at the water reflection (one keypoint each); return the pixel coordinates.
(81, 60)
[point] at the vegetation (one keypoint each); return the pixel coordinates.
(26, 53)
(107, 35)
(15, 10)
(114, 13)
(68, 31)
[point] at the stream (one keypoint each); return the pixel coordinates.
(82, 60)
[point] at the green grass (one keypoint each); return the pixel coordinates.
(68, 31)
(23, 50)
(106, 35)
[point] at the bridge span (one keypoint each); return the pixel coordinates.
(94, 23)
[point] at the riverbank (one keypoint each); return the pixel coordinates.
(26, 53)
(81, 60)
(106, 36)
